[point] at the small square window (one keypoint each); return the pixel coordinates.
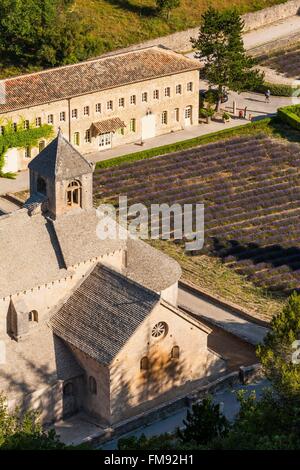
(144, 97)
(109, 105)
(168, 92)
(38, 122)
(28, 152)
(121, 102)
(74, 113)
(164, 117)
(76, 138)
(26, 124)
(132, 125)
(178, 89)
(133, 99)
(50, 119)
(62, 116)
(98, 108)
(120, 131)
(189, 86)
(86, 111)
(15, 126)
(87, 136)
(156, 94)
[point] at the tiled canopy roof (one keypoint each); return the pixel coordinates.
(92, 76)
(103, 313)
(107, 125)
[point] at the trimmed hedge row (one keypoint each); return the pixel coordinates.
(252, 127)
(277, 89)
(290, 115)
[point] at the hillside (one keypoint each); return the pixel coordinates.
(119, 23)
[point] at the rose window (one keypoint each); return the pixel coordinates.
(159, 330)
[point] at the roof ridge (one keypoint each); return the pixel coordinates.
(96, 59)
(60, 137)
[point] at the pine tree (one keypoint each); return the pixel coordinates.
(278, 353)
(204, 423)
(165, 6)
(220, 46)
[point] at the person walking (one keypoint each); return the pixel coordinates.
(267, 96)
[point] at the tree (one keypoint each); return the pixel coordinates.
(23, 431)
(161, 442)
(42, 33)
(165, 6)
(220, 46)
(203, 423)
(277, 353)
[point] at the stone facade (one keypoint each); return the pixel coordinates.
(147, 108)
(84, 328)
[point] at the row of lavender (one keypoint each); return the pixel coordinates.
(251, 190)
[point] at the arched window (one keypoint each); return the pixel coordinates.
(33, 316)
(92, 385)
(68, 390)
(144, 363)
(175, 352)
(74, 194)
(41, 186)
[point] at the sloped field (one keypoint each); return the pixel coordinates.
(251, 190)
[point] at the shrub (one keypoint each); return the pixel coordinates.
(290, 115)
(278, 89)
(226, 116)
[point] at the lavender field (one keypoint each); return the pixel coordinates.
(251, 190)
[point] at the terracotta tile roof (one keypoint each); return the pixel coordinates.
(103, 313)
(92, 76)
(107, 125)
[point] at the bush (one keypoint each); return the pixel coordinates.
(226, 116)
(278, 89)
(206, 112)
(290, 115)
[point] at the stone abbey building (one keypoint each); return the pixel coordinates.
(105, 102)
(89, 324)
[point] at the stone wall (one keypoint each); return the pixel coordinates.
(181, 41)
(134, 391)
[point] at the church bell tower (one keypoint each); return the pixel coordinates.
(62, 178)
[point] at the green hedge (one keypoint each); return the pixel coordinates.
(278, 89)
(251, 128)
(290, 115)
